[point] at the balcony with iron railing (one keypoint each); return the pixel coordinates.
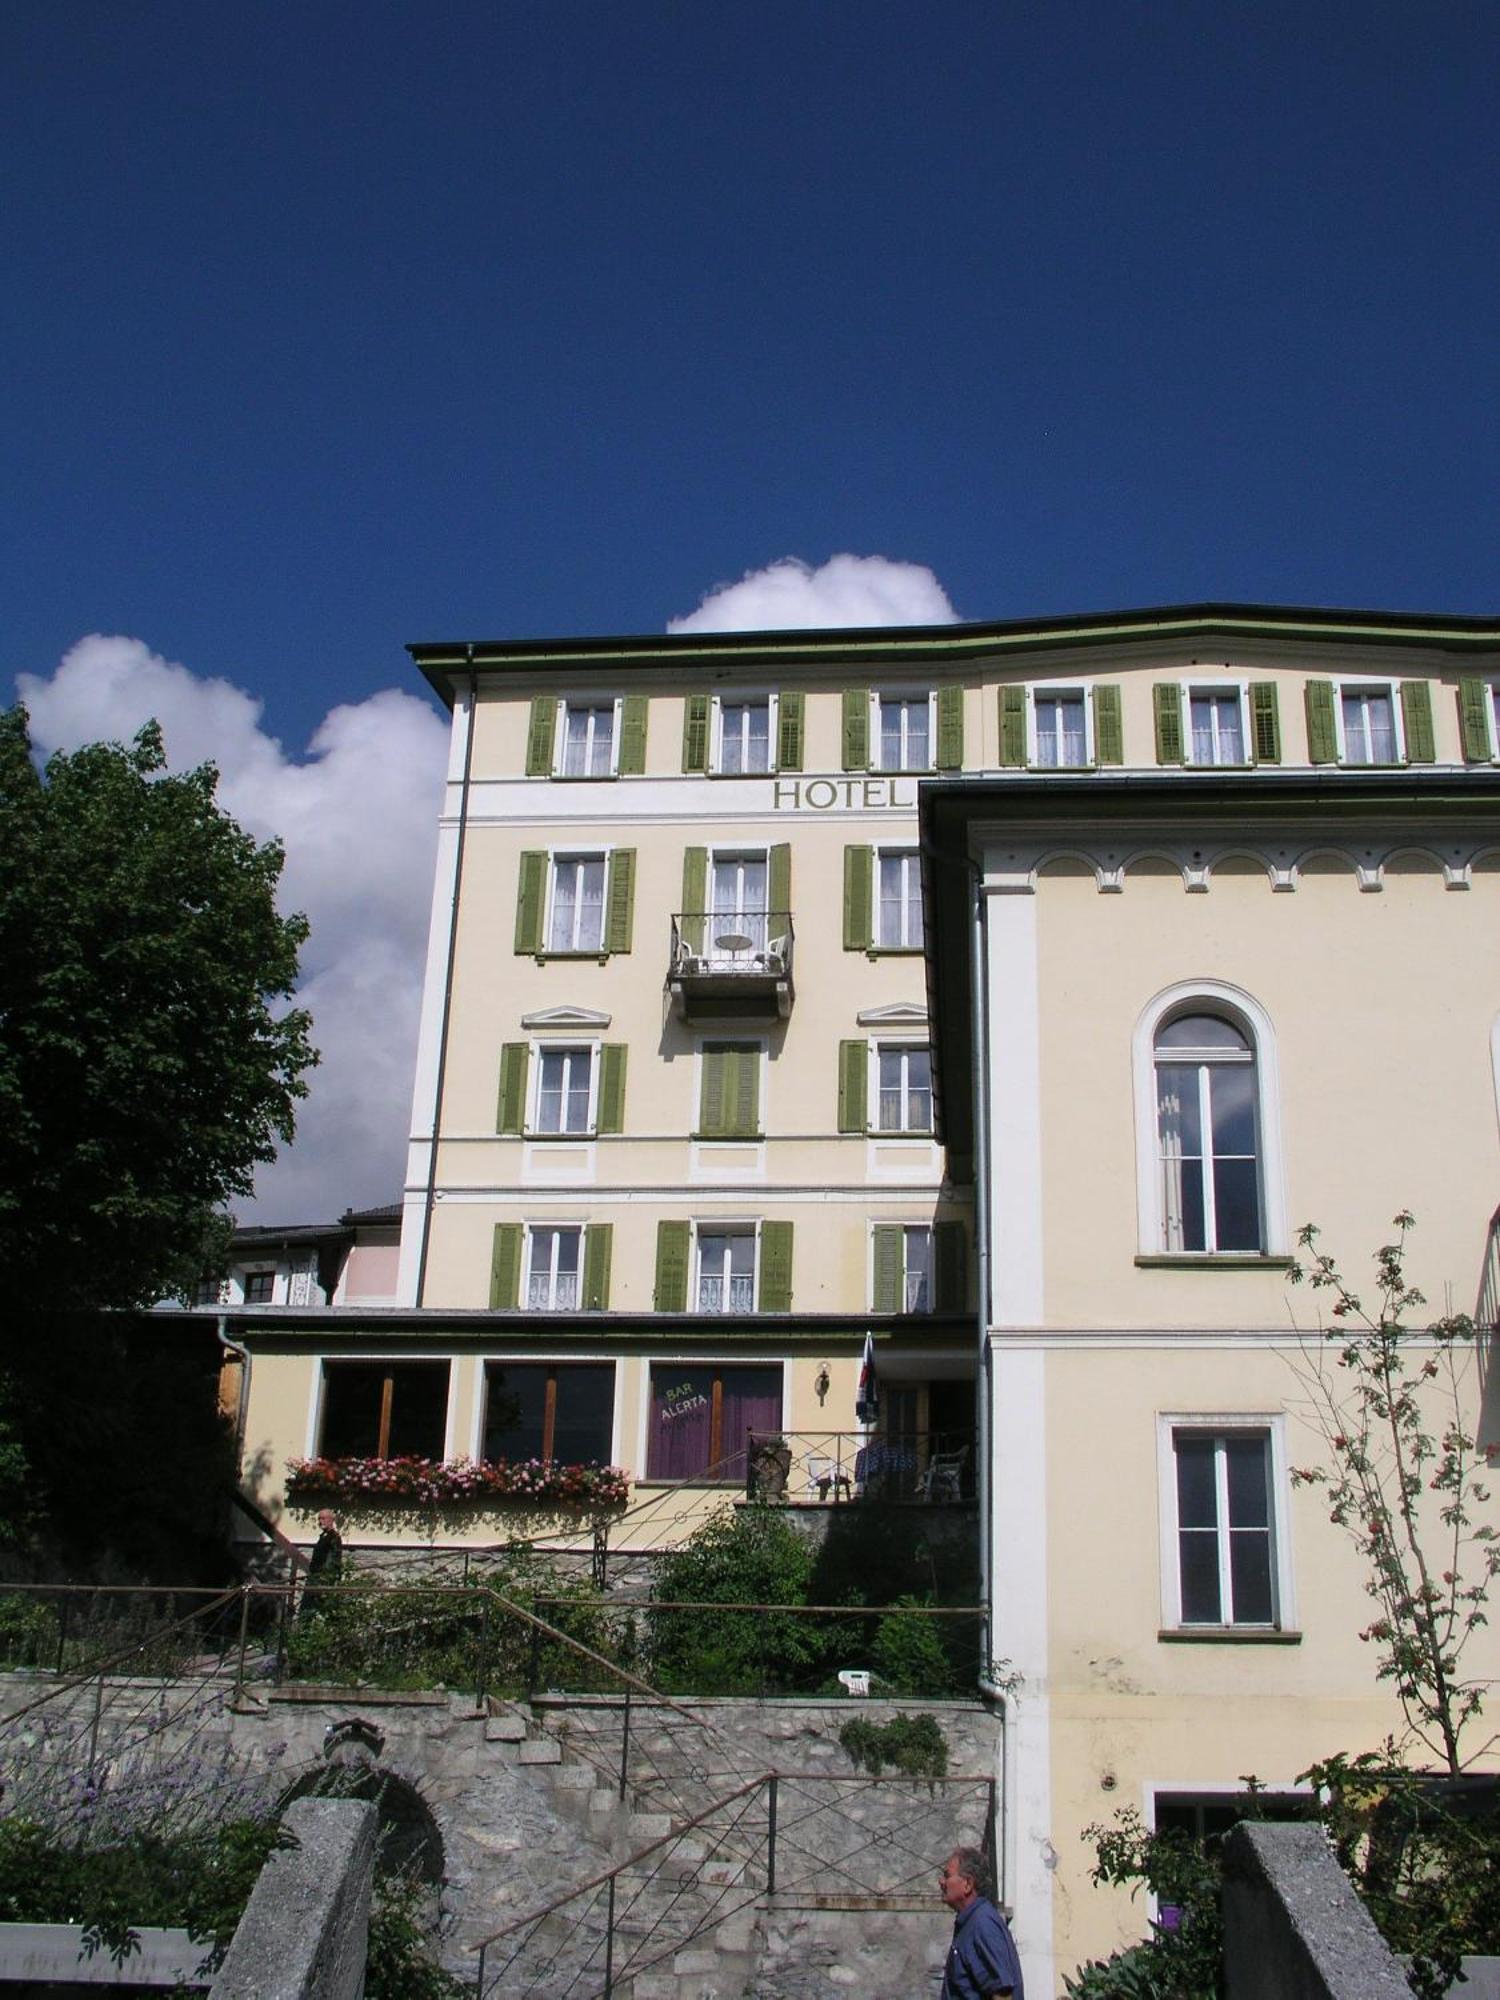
(731, 965)
(837, 1468)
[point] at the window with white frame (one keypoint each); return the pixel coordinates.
(587, 748)
(564, 1090)
(903, 1087)
(743, 742)
(726, 1271)
(1206, 1125)
(905, 732)
(899, 900)
(1224, 1546)
(1059, 720)
(554, 1266)
(1216, 726)
(1368, 717)
(576, 915)
(260, 1287)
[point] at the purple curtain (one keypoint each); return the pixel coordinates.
(679, 1441)
(752, 1402)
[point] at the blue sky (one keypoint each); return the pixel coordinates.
(333, 326)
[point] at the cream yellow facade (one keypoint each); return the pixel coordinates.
(671, 1122)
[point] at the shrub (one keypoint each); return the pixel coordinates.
(913, 1744)
(28, 1630)
(744, 1555)
(909, 1653)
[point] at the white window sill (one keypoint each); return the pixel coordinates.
(1215, 1260)
(1231, 1635)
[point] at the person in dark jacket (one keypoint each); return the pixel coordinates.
(982, 1962)
(326, 1561)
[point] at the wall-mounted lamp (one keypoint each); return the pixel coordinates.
(821, 1385)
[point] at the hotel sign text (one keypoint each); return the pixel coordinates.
(853, 794)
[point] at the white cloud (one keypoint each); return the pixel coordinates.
(791, 595)
(358, 818)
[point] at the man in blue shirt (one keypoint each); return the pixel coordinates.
(982, 1962)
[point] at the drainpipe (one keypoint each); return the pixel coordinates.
(979, 1011)
(242, 1355)
(442, 1061)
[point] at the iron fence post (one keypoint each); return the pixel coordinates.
(609, 1943)
(771, 1783)
(280, 1636)
(239, 1671)
(94, 1725)
(533, 1661)
(625, 1743)
(482, 1690)
(62, 1634)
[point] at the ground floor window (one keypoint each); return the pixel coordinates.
(701, 1415)
(557, 1411)
(384, 1409)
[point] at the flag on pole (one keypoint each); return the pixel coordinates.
(867, 1399)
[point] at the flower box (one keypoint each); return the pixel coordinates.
(432, 1482)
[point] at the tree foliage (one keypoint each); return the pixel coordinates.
(1405, 1480)
(147, 1061)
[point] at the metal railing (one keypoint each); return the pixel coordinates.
(791, 1840)
(736, 944)
(832, 1467)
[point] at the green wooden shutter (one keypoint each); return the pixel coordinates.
(510, 1115)
(776, 1267)
(531, 902)
(949, 1258)
(541, 735)
(779, 886)
(744, 1104)
(856, 729)
(1166, 702)
(1265, 722)
(1322, 735)
(859, 898)
(1013, 727)
(729, 1103)
(711, 1087)
(890, 1260)
(790, 709)
(1474, 720)
(673, 1243)
(1109, 728)
(611, 1100)
(619, 899)
(695, 733)
(634, 710)
(694, 897)
(950, 729)
(854, 1086)
(598, 1243)
(505, 1267)
(1416, 722)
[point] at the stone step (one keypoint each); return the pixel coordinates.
(575, 1778)
(539, 1750)
(504, 1729)
(646, 1826)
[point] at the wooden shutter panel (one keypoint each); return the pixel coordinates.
(598, 1244)
(505, 1267)
(541, 735)
(742, 1092)
(949, 1259)
(1109, 728)
(634, 710)
(694, 897)
(776, 1267)
(611, 1100)
(1013, 727)
(1265, 723)
(1322, 736)
(1474, 720)
(619, 899)
(711, 1112)
(950, 729)
(695, 733)
(673, 1241)
(856, 729)
(889, 1264)
(510, 1115)
(859, 898)
(1416, 722)
(854, 1086)
(779, 886)
(1166, 703)
(531, 902)
(790, 711)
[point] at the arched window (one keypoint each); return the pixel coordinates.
(1207, 1128)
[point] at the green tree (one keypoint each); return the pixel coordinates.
(148, 1062)
(1406, 1481)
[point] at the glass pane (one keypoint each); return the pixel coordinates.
(351, 1408)
(1197, 1502)
(1177, 1109)
(1048, 731)
(580, 1062)
(1200, 1031)
(1200, 1577)
(590, 905)
(1236, 1205)
(1074, 741)
(419, 1408)
(549, 1092)
(515, 1406)
(681, 1427)
(890, 1089)
(918, 1090)
(1249, 1496)
(1250, 1576)
(582, 1431)
(918, 1248)
(1232, 1096)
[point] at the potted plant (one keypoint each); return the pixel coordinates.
(768, 1467)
